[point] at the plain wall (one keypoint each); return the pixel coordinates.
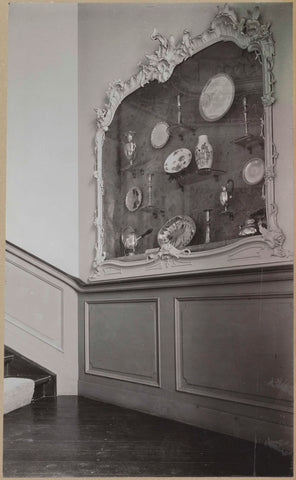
(114, 38)
(42, 143)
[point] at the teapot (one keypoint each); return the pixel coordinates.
(130, 239)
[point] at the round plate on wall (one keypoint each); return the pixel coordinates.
(133, 199)
(177, 160)
(253, 171)
(177, 231)
(216, 97)
(160, 135)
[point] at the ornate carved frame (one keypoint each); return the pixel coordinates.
(248, 33)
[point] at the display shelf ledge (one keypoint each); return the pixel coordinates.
(194, 177)
(249, 141)
(134, 168)
(194, 248)
(212, 245)
(236, 253)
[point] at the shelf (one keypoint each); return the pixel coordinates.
(212, 245)
(249, 141)
(202, 247)
(152, 209)
(218, 244)
(194, 177)
(134, 168)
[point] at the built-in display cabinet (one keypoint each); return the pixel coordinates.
(185, 156)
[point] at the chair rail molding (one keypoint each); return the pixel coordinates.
(248, 33)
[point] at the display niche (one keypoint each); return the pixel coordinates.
(185, 153)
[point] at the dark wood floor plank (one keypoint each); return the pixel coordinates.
(78, 437)
(70, 468)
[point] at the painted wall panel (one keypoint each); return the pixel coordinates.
(34, 304)
(225, 344)
(122, 340)
(238, 345)
(41, 318)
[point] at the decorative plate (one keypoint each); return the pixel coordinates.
(177, 160)
(133, 199)
(216, 97)
(253, 171)
(160, 135)
(177, 231)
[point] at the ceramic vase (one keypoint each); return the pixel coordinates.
(204, 154)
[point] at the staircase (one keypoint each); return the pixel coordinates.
(25, 381)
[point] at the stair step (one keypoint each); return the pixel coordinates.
(36, 378)
(18, 392)
(8, 358)
(18, 366)
(41, 380)
(40, 383)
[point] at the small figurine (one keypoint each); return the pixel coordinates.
(130, 147)
(226, 197)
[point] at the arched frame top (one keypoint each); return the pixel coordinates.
(247, 33)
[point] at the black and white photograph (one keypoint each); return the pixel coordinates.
(149, 231)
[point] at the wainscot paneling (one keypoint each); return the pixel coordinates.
(34, 304)
(219, 341)
(218, 346)
(121, 340)
(41, 318)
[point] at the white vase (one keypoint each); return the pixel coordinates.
(204, 154)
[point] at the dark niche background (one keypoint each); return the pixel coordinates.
(156, 102)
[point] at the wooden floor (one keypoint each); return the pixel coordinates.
(74, 436)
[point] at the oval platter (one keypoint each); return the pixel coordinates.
(133, 199)
(160, 135)
(178, 231)
(216, 97)
(177, 160)
(253, 171)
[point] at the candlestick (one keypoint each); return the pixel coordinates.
(262, 127)
(150, 189)
(245, 115)
(208, 225)
(179, 108)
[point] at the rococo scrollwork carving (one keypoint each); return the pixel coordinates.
(168, 250)
(248, 33)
